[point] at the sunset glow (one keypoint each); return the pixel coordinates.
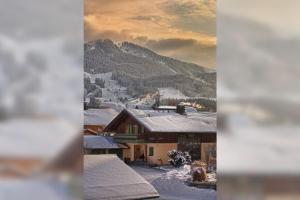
(183, 29)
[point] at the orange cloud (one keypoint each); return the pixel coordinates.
(140, 22)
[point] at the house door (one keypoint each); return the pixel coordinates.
(137, 151)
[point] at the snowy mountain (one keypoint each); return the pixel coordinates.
(133, 65)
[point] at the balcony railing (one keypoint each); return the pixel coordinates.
(127, 138)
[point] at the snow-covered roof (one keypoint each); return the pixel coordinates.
(100, 142)
(35, 139)
(167, 107)
(99, 116)
(157, 121)
(107, 177)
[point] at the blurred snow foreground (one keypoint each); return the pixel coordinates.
(41, 91)
(258, 100)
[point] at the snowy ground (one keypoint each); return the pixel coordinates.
(169, 183)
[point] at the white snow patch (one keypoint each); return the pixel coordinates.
(171, 93)
(181, 173)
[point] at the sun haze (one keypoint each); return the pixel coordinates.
(182, 29)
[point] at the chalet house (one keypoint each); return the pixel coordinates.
(95, 120)
(150, 134)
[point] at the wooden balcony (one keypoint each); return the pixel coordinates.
(128, 138)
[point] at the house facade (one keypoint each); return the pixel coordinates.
(150, 134)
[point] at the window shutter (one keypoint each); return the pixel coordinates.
(151, 151)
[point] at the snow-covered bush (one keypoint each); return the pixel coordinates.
(178, 158)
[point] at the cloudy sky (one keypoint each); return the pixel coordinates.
(183, 29)
(282, 16)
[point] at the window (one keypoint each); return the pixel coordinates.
(142, 129)
(129, 129)
(151, 151)
(97, 151)
(135, 129)
(132, 129)
(208, 152)
(191, 144)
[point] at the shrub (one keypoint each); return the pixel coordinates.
(199, 163)
(199, 174)
(178, 158)
(198, 171)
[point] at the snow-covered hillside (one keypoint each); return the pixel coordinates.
(132, 64)
(112, 93)
(169, 93)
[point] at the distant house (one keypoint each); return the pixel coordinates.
(97, 144)
(150, 134)
(95, 120)
(107, 177)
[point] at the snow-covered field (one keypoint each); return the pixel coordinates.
(171, 93)
(169, 182)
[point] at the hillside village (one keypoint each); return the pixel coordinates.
(161, 136)
(144, 138)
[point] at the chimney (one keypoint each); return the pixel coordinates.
(180, 109)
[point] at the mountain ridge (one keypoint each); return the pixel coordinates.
(134, 65)
(108, 47)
